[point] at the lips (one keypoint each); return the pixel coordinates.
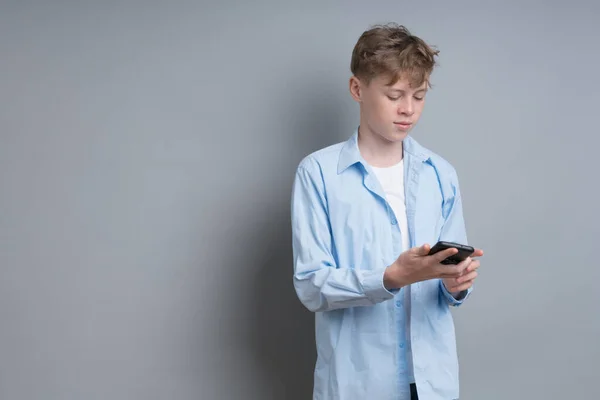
(403, 124)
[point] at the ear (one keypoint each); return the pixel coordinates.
(355, 88)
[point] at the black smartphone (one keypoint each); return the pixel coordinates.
(464, 251)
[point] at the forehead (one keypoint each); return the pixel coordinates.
(403, 83)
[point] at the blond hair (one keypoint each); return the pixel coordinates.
(392, 51)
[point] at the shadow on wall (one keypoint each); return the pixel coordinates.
(283, 333)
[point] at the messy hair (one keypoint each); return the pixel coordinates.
(393, 52)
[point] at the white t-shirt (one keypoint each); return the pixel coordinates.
(391, 180)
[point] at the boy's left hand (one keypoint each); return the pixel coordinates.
(465, 281)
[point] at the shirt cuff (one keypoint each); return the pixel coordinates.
(454, 301)
(372, 283)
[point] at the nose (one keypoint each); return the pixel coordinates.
(406, 107)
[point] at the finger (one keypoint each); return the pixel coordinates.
(454, 271)
(462, 267)
(450, 271)
(477, 253)
(466, 277)
(448, 274)
(473, 266)
(461, 287)
(442, 255)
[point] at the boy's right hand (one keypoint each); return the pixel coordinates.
(415, 265)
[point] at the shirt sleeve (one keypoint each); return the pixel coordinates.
(453, 230)
(321, 284)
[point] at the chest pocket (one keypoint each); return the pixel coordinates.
(360, 229)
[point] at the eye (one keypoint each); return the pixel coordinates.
(393, 98)
(419, 98)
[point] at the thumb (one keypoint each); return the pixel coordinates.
(423, 250)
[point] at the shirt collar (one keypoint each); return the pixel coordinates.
(350, 154)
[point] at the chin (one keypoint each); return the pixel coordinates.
(397, 136)
(393, 135)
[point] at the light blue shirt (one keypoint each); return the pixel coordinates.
(345, 234)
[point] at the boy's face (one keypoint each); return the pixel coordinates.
(389, 112)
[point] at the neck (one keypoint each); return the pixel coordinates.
(377, 151)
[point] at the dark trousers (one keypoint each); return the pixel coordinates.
(413, 392)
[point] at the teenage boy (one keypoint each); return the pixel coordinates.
(364, 215)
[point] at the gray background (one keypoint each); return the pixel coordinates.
(146, 160)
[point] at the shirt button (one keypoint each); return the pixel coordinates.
(394, 221)
(401, 345)
(398, 303)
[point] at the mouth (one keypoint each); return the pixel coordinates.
(403, 124)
